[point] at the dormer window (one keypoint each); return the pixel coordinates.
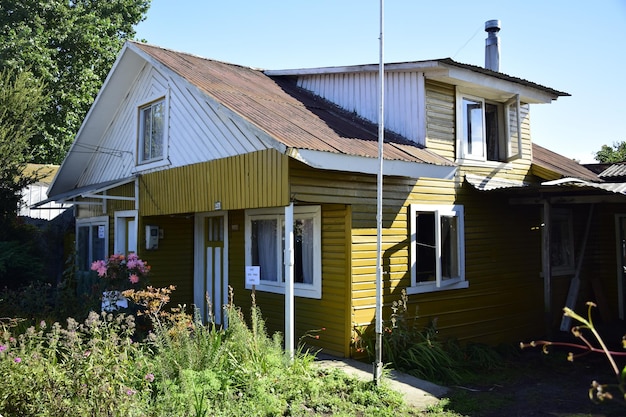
(487, 131)
(152, 132)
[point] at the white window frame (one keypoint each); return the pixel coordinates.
(90, 222)
(314, 213)
(509, 126)
(440, 283)
(142, 163)
(126, 232)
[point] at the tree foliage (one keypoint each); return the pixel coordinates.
(611, 154)
(70, 45)
(22, 102)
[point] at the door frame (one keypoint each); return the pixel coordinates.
(199, 273)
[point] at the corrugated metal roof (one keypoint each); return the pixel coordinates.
(492, 183)
(288, 113)
(503, 76)
(613, 187)
(614, 171)
(561, 165)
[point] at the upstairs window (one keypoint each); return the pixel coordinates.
(487, 130)
(152, 129)
(437, 248)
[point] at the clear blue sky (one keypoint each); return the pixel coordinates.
(578, 47)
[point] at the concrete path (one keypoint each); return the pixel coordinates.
(417, 393)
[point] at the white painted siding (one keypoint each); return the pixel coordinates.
(199, 129)
(358, 92)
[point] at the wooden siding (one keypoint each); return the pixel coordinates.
(253, 180)
(172, 263)
(440, 119)
(330, 312)
(358, 92)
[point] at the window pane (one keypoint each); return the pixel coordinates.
(425, 247)
(303, 251)
(152, 131)
(146, 114)
(264, 248)
(157, 131)
(492, 132)
(97, 244)
(473, 126)
(449, 246)
(561, 243)
(82, 248)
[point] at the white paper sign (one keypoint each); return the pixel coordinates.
(253, 275)
(100, 232)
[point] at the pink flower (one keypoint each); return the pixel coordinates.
(130, 392)
(17, 360)
(100, 267)
(3, 348)
(150, 377)
(133, 278)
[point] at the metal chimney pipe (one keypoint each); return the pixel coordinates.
(492, 45)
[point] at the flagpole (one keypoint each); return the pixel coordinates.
(378, 365)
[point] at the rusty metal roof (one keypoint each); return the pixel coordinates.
(290, 114)
(561, 165)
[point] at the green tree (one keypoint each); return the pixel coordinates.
(22, 103)
(611, 154)
(70, 45)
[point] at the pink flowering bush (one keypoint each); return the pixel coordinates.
(121, 272)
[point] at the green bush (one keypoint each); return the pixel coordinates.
(182, 368)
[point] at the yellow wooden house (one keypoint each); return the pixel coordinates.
(192, 162)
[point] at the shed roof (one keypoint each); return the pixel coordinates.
(560, 165)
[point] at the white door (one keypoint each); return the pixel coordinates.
(211, 266)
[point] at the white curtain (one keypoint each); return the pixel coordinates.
(307, 251)
(267, 249)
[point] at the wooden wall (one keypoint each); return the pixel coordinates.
(258, 179)
(330, 312)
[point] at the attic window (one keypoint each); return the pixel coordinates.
(151, 141)
(487, 130)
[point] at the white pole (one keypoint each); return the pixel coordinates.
(378, 364)
(289, 299)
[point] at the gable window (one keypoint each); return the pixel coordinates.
(152, 132)
(92, 236)
(437, 248)
(561, 242)
(487, 130)
(265, 245)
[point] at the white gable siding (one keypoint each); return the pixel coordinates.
(358, 92)
(198, 130)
